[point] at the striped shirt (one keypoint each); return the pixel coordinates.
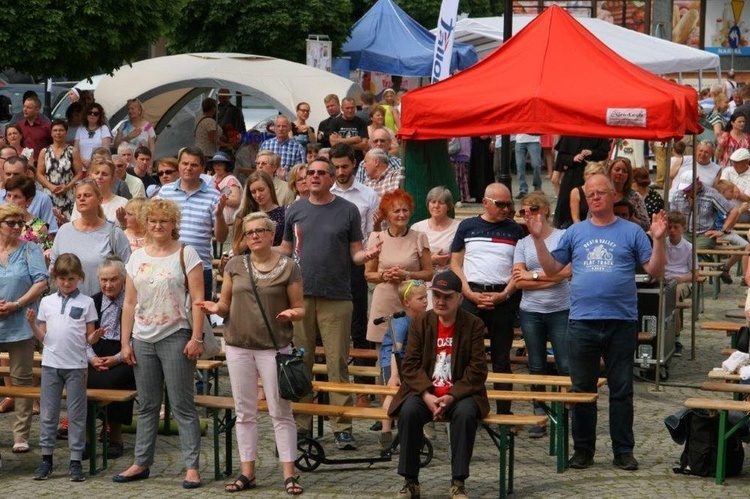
(488, 249)
(290, 151)
(394, 163)
(198, 210)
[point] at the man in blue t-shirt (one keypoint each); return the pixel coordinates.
(604, 251)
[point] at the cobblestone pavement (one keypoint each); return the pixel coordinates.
(535, 474)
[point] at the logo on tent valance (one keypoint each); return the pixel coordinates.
(635, 117)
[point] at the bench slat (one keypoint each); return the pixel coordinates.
(719, 374)
(717, 404)
(96, 394)
(710, 386)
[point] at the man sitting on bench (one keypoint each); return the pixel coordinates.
(442, 377)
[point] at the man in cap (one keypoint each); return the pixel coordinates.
(228, 116)
(739, 174)
(442, 377)
(711, 207)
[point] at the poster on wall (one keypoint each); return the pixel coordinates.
(319, 54)
(727, 23)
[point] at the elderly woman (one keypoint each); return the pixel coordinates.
(250, 350)
(59, 168)
(106, 368)
(23, 280)
(21, 191)
(439, 228)
(95, 133)
(404, 254)
(102, 172)
(545, 302)
(377, 118)
(90, 237)
(620, 172)
(298, 181)
(136, 130)
(259, 195)
(579, 208)
(164, 347)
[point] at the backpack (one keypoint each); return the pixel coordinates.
(699, 456)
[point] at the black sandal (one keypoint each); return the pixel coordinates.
(240, 483)
(293, 488)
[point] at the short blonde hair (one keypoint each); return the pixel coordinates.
(168, 209)
(10, 210)
(536, 198)
(259, 215)
(593, 167)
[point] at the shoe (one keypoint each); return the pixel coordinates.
(44, 471)
(725, 277)
(581, 459)
(743, 283)
(625, 461)
(429, 430)
(7, 405)
(385, 439)
(132, 478)
(62, 432)
(458, 491)
(678, 349)
(363, 400)
(187, 484)
(521, 195)
(101, 433)
(115, 450)
(377, 426)
(410, 490)
(345, 440)
(537, 431)
(76, 472)
(21, 447)
(292, 486)
(240, 483)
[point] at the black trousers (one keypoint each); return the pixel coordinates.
(414, 414)
(359, 319)
(499, 322)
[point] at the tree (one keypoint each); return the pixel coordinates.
(79, 38)
(426, 12)
(262, 27)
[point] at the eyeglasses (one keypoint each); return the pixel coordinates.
(500, 204)
(531, 209)
(301, 178)
(166, 172)
(255, 232)
(303, 110)
(91, 134)
(93, 113)
(597, 194)
(13, 223)
(319, 173)
(6, 158)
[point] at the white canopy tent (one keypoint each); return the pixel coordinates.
(165, 84)
(652, 54)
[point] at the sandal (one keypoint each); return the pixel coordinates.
(240, 483)
(293, 488)
(7, 405)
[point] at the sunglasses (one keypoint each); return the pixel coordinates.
(500, 204)
(166, 172)
(531, 209)
(93, 113)
(13, 223)
(319, 173)
(255, 232)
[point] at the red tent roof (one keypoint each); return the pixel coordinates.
(552, 77)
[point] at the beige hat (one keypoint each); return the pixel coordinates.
(740, 154)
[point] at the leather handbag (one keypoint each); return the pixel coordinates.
(211, 345)
(293, 375)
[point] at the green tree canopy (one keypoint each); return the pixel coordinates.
(79, 38)
(263, 27)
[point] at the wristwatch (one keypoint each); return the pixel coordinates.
(535, 276)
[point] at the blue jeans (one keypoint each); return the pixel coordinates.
(535, 155)
(615, 341)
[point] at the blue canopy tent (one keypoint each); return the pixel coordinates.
(387, 40)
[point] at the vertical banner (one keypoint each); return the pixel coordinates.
(441, 61)
(319, 54)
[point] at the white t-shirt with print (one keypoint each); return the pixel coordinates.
(66, 318)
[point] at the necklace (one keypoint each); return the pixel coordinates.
(388, 230)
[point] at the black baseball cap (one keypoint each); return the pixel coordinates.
(446, 282)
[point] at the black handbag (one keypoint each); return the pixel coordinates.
(293, 374)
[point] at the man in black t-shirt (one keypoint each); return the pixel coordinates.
(350, 129)
(333, 106)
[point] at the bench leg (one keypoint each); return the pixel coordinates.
(721, 451)
(228, 425)
(217, 451)
(504, 441)
(93, 406)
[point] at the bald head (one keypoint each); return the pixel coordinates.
(496, 191)
(497, 203)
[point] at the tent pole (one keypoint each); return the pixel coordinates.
(660, 328)
(693, 228)
(504, 176)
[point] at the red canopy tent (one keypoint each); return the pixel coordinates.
(552, 77)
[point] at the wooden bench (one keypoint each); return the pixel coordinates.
(354, 353)
(96, 398)
(36, 372)
(724, 376)
(731, 329)
(6, 356)
(503, 437)
(722, 407)
(738, 391)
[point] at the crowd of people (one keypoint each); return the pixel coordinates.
(101, 252)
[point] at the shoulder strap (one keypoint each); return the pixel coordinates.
(112, 239)
(182, 265)
(196, 125)
(257, 299)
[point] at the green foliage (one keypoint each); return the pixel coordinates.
(426, 12)
(262, 27)
(79, 38)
